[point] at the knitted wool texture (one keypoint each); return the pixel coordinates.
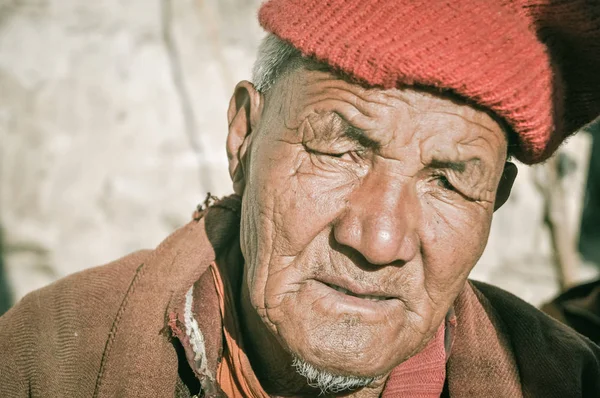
(535, 64)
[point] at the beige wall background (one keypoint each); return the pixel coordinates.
(112, 129)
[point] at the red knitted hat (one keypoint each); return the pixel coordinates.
(534, 63)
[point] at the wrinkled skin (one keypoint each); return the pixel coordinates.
(386, 193)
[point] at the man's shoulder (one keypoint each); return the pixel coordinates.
(545, 349)
(95, 289)
(61, 329)
(524, 317)
(92, 290)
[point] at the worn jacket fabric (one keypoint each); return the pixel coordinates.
(105, 332)
(579, 307)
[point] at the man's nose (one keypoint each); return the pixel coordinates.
(380, 220)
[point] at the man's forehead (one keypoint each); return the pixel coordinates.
(433, 125)
(316, 91)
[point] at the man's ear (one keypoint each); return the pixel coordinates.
(243, 115)
(506, 183)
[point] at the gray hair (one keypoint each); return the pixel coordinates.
(328, 382)
(275, 57)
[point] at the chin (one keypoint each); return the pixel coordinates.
(331, 382)
(344, 338)
(360, 366)
(346, 351)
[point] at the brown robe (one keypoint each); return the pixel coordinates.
(579, 307)
(105, 332)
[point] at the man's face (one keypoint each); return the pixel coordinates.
(363, 213)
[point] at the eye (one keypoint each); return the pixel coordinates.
(348, 155)
(443, 182)
(334, 155)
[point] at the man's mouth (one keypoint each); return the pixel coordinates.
(362, 296)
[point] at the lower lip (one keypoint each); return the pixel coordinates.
(341, 302)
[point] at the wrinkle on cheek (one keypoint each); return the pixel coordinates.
(458, 220)
(280, 297)
(265, 240)
(316, 178)
(286, 230)
(420, 324)
(270, 268)
(262, 255)
(455, 244)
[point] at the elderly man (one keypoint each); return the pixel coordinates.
(367, 160)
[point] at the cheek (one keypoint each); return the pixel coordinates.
(288, 205)
(453, 239)
(299, 196)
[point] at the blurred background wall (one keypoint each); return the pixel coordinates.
(112, 129)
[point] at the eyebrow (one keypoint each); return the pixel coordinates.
(459, 167)
(355, 134)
